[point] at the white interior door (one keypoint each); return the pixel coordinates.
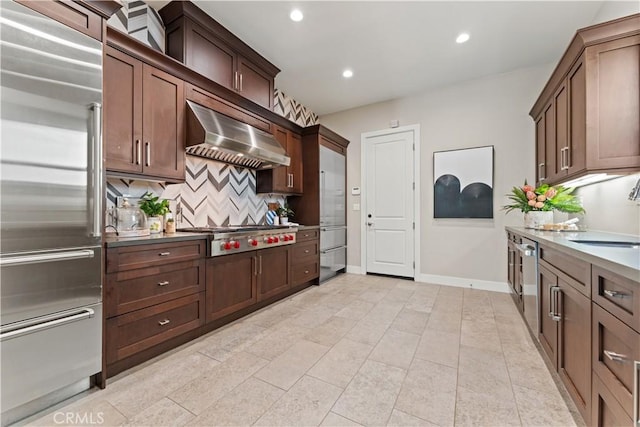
(389, 203)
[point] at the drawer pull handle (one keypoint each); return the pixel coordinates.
(616, 357)
(164, 322)
(614, 294)
(164, 253)
(306, 272)
(306, 251)
(165, 283)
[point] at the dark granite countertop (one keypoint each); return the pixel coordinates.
(113, 241)
(620, 260)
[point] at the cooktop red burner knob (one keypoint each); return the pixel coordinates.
(227, 246)
(292, 237)
(236, 245)
(253, 242)
(275, 239)
(269, 239)
(285, 238)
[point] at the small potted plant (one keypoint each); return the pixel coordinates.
(539, 203)
(155, 209)
(284, 213)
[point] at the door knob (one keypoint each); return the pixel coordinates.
(369, 224)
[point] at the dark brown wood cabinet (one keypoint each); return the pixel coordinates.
(201, 43)
(514, 270)
(285, 179)
(144, 119)
(154, 297)
(307, 206)
(548, 326)
(274, 272)
(84, 16)
(616, 347)
(587, 115)
(231, 284)
(305, 257)
(565, 328)
(236, 282)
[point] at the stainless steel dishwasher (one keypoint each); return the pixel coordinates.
(528, 280)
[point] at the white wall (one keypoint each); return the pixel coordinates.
(608, 207)
(488, 111)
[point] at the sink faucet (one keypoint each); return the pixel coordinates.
(635, 192)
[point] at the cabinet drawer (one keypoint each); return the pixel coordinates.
(615, 347)
(307, 235)
(140, 256)
(133, 332)
(619, 295)
(305, 272)
(605, 409)
(135, 289)
(576, 269)
(304, 250)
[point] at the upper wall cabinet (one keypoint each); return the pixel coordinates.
(202, 44)
(285, 179)
(587, 117)
(144, 119)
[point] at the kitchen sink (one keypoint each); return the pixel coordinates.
(609, 243)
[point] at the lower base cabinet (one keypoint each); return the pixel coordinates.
(231, 284)
(606, 411)
(565, 332)
(238, 281)
(139, 330)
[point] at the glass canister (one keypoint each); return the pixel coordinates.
(131, 221)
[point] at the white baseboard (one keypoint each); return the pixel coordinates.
(354, 269)
(485, 285)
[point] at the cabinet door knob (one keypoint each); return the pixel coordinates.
(138, 151)
(147, 161)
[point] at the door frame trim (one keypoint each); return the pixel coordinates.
(416, 194)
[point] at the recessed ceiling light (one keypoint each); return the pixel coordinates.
(347, 74)
(463, 37)
(296, 15)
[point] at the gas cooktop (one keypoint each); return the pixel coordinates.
(241, 238)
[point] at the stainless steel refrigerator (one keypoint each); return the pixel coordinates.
(51, 208)
(333, 221)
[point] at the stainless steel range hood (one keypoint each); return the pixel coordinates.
(218, 137)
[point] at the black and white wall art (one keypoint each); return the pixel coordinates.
(463, 183)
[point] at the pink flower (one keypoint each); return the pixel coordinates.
(531, 195)
(551, 193)
(542, 198)
(532, 202)
(539, 205)
(527, 188)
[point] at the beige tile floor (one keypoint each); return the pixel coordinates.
(358, 350)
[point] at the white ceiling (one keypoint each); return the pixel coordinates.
(396, 48)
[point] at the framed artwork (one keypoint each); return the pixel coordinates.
(463, 183)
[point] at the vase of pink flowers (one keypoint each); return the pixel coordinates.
(539, 203)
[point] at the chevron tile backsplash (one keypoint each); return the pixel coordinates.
(293, 110)
(214, 194)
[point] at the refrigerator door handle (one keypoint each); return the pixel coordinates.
(96, 166)
(16, 332)
(333, 228)
(327, 251)
(34, 259)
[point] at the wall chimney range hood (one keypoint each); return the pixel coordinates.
(218, 137)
